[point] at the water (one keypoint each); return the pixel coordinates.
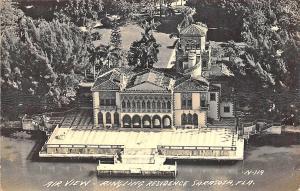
(266, 168)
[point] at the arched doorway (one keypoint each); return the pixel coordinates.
(195, 119)
(108, 118)
(183, 119)
(127, 121)
(146, 121)
(167, 121)
(116, 118)
(189, 119)
(100, 118)
(136, 121)
(156, 121)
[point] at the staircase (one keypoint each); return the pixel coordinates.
(138, 162)
(224, 122)
(138, 156)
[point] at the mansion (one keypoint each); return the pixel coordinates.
(144, 116)
(187, 95)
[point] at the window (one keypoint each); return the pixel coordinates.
(189, 119)
(100, 118)
(113, 102)
(212, 96)
(203, 100)
(148, 105)
(116, 118)
(123, 104)
(128, 104)
(108, 118)
(169, 105)
(226, 109)
(158, 105)
(189, 103)
(183, 103)
(195, 119)
(102, 102)
(183, 119)
(186, 101)
(153, 105)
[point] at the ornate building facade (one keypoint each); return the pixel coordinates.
(163, 97)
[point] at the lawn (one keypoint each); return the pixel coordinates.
(132, 32)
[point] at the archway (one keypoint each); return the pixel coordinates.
(189, 119)
(156, 121)
(100, 118)
(195, 119)
(116, 118)
(146, 121)
(127, 121)
(136, 121)
(108, 118)
(183, 119)
(167, 121)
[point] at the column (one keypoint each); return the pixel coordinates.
(104, 119)
(96, 99)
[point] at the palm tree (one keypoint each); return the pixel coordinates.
(143, 53)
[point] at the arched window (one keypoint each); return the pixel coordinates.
(116, 118)
(136, 121)
(128, 104)
(146, 121)
(100, 118)
(153, 105)
(166, 122)
(143, 105)
(163, 105)
(148, 105)
(133, 105)
(108, 117)
(190, 119)
(127, 121)
(156, 121)
(195, 119)
(138, 105)
(169, 105)
(123, 104)
(183, 119)
(158, 105)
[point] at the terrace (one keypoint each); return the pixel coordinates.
(218, 144)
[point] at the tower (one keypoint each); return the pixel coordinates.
(191, 48)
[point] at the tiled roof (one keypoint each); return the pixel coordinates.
(108, 81)
(198, 29)
(190, 84)
(150, 79)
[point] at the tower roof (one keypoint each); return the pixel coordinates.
(198, 29)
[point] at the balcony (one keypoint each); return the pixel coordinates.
(145, 110)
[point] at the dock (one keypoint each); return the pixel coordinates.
(138, 162)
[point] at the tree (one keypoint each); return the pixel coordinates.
(81, 11)
(268, 66)
(143, 53)
(49, 61)
(9, 16)
(115, 37)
